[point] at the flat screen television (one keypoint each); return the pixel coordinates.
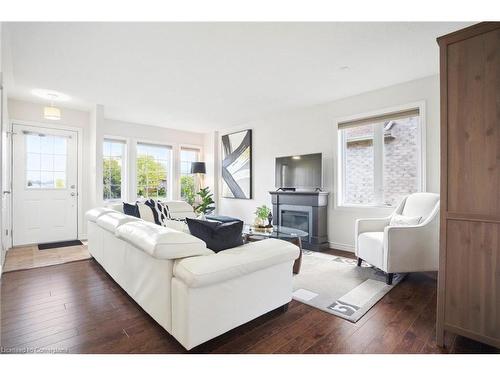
(302, 172)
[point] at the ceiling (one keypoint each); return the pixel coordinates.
(206, 76)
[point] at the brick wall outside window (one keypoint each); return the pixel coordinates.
(400, 167)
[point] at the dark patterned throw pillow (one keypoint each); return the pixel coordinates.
(160, 211)
(217, 236)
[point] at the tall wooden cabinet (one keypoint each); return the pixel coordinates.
(469, 269)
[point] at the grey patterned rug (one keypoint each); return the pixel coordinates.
(338, 286)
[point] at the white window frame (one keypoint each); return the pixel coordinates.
(379, 155)
(124, 171)
(170, 177)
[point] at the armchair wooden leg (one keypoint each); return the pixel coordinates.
(359, 262)
(388, 278)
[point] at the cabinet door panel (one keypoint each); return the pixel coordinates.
(472, 278)
(474, 125)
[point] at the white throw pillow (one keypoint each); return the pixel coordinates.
(401, 220)
(145, 212)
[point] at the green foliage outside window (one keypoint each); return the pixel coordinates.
(151, 178)
(188, 190)
(112, 179)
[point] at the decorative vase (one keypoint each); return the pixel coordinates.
(258, 222)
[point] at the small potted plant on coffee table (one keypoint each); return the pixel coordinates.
(261, 222)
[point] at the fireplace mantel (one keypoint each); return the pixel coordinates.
(312, 203)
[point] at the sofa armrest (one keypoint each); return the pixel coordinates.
(232, 263)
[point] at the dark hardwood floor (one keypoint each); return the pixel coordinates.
(77, 308)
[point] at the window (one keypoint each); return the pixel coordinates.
(153, 171)
(112, 169)
(188, 180)
(46, 157)
(380, 159)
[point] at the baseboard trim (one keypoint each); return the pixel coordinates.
(342, 246)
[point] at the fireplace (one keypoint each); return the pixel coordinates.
(306, 211)
(298, 217)
(295, 219)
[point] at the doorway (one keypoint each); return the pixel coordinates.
(44, 185)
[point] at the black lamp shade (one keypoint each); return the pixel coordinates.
(198, 167)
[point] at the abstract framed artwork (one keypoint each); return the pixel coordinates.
(237, 165)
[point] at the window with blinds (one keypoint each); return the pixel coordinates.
(380, 159)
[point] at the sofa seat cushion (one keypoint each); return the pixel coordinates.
(371, 247)
(93, 214)
(232, 263)
(161, 242)
(112, 220)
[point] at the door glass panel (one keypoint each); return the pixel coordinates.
(47, 180)
(60, 180)
(59, 163)
(33, 143)
(33, 179)
(59, 146)
(33, 162)
(46, 158)
(47, 144)
(47, 162)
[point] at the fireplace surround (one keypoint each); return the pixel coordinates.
(304, 210)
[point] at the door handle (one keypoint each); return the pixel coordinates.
(6, 191)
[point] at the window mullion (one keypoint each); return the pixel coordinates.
(378, 173)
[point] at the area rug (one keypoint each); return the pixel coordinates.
(338, 286)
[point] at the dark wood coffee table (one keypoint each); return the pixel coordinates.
(283, 233)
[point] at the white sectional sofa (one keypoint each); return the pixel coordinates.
(189, 290)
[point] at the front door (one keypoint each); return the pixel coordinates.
(44, 181)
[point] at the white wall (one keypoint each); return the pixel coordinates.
(312, 130)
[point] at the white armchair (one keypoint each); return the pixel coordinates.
(412, 248)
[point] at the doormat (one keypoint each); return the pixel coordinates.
(53, 245)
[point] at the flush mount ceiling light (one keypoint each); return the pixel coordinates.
(51, 95)
(51, 112)
(296, 157)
